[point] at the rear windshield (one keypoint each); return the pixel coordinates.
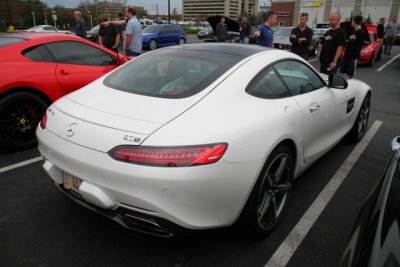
(323, 25)
(6, 41)
(171, 73)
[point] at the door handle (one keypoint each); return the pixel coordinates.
(64, 72)
(314, 108)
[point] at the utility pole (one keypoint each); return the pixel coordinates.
(169, 12)
(45, 16)
(33, 15)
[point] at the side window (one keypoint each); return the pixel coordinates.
(79, 53)
(299, 78)
(49, 28)
(175, 29)
(268, 85)
(164, 29)
(38, 53)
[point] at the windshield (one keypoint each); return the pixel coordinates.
(171, 73)
(95, 28)
(284, 32)
(151, 29)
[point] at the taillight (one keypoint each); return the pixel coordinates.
(170, 156)
(43, 122)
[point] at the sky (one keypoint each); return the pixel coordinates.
(149, 5)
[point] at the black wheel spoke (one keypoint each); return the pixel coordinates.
(263, 207)
(283, 188)
(281, 168)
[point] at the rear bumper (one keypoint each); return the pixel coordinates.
(202, 197)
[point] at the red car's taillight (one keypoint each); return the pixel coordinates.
(43, 122)
(170, 156)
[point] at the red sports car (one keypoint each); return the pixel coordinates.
(372, 50)
(37, 69)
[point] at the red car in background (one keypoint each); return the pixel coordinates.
(372, 50)
(373, 47)
(39, 68)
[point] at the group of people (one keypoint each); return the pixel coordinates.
(126, 31)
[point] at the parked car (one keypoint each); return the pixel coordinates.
(375, 237)
(37, 69)
(93, 34)
(168, 148)
(282, 40)
(160, 35)
(207, 33)
(321, 28)
(46, 28)
(233, 29)
(372, 48)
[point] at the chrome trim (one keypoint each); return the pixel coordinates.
(395, 144)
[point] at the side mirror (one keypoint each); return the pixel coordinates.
(336, 81)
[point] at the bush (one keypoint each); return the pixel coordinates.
(191, 31)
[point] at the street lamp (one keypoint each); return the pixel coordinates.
(91, 21)
(169, 12)
(33, 15)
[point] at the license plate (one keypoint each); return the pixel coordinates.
(71, 182)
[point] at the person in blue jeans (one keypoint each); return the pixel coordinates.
(245, 30)
(264, 33)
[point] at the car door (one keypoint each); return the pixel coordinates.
(79, 64)
(164, 36)
(323, 109)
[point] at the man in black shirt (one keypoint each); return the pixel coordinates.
(353, 48)
(301, 37)
(222, 30)
(109, 35)
(245, 31)
(381, 28)
(332, 45)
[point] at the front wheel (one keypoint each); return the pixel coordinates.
(361, 123)
(20, 114)
(270, 194)
(152, 44)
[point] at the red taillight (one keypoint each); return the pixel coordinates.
(170, 156)
(43, 122)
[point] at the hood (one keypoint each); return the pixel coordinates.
(232, 25)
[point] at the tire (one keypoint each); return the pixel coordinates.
(360, 125)
(181, 41)
(372, 60)
(152, 44)
(270, 195)
(20, 113)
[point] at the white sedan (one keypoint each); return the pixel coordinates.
(46, 28)
(198, 136)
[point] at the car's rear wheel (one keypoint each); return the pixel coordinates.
(361, 123)
(20, 113)
(181, 41)
(152, 44)
(270, 195)
(372, 60)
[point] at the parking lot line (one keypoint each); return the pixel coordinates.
(390, 61)
(287, 249)
(20, 164)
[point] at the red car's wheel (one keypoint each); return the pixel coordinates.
(20, 114)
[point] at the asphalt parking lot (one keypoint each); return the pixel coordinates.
(41, 227)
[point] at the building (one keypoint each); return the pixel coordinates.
(193, 9)
(113, 8)
(319, 11)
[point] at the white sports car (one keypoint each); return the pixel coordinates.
(198, 136)
(46, 28)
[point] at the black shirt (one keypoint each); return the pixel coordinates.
(354, 44)
(108, 34)
(381, 30)
(246, 30)
(330, 43)
(301, 48)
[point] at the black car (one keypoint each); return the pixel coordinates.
(233, 30)
(375, 238)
